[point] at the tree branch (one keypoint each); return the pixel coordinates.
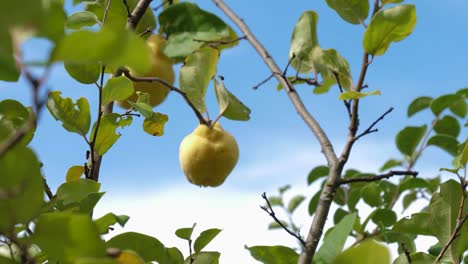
(370, 128)
(172, 88)
(310, 121)
(378, 177)
(136, 15)
(336, 167)
(271, 212)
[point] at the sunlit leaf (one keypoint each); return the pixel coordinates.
(78, 236)
(14, 116)
(129, 257)
(75, 191)
(391, 163)
(205, 257)
(334, 242)
(273, 254)
(366, 252)
(155, 124)
(190, 27)
(83, 73)
(356, 95)
(106, 221)
(74, 173)
(81, 19)
(117, 89)
(101, 46)
(416, 258)
(408, 139)
(303, 40)
(147, 247)
(331, 65)
(229, 106)
(275, 201)
(143, 107)
(448, 125)
(195, 75)
(418, 105)
(389, 25)
(354, 12)
(205, 238)
(107, 135)
(75, 117)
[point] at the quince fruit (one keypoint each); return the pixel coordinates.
(208, 155)
(161, 67)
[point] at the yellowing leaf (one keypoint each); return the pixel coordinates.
(74, 173)
(129, 257)
(357, 95)
(155, 124)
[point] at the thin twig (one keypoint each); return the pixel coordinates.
(127, 7)
(269, 210)
(347, 103)
(407, 253)
(147, 30)
(378, 177)
(370, 128)
(172, 88)
(289, 63)
(263, 82)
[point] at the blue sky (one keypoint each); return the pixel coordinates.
(276, 147)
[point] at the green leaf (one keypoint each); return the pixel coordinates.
(75, 117)
(447, 143)
(370, 193)
(409, 182)
(229, 106)
(143, 108)
(416, 258)
(317, 173)
(366, 252)
(185, 233)
(356, 95)
(275, 201)
(273, 254)
(147, 247)
(14, 116)
(444, 207)
(276, 225)
(408, 199)
(195, 75)
(83, 73)
(340, 197)
(87, 204)
(459, 107)
(117, 89)
(448, 125)
(385, 217)
(408, 139)
(401, 239)
(419, 104)
(174, 256)
(334, 242)
(107, 135)
(384, 2)
(295, 202)
(354, 12)
(53, 21)
(9, 71)
(389, 25)
(101, 47)
(391, 163)
(205, 257)
(313, 203)
(283, 189)
(339, 215)
(74, 173)
(331, 65)
(443, 102)
(75, 191)
(106, 221)
(205, 238)
(464, 156)
(155, 124)
(78, 236)
(303, 40)
(390, 191)
(189, 27)
(21, 187)
(81, 19)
